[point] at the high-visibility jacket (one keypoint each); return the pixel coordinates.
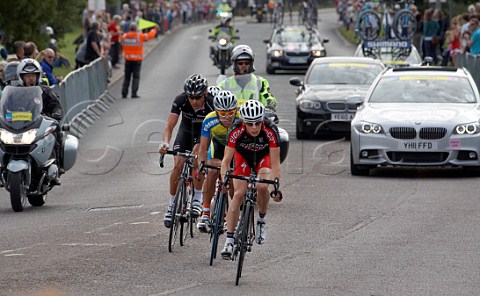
(132, 42)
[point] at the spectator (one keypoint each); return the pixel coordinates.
(115, 41)
(465, 22)
(133, 53)
(3, 50)
(430, 33)
(30, 50)
(47, 66)
(453, 39)
(93, 44)
(474, 42)
(19, 47)
(464, 42)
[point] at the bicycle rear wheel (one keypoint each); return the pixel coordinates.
(193, 217)
(243, 238)
(368, 25)
(218, 218)
(176, 216)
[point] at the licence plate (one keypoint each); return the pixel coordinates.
(417, 146)
(342, 116)
(297, 60)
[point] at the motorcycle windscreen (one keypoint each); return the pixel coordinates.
(20, 106)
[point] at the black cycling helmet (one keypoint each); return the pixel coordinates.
(195, 85)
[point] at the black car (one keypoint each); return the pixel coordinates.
(293, 48)
(321, 100)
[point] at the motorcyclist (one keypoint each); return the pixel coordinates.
(223, 29)
(244, 84)
(29, 73)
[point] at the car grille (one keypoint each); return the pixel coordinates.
(432, 133)
(297, 54)
(404, 133)
(337, 106)
(417, 157)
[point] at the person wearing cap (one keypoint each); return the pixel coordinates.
(244, 84)
(132, 42)
(3, 50)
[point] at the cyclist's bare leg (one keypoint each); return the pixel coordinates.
(177, 170)
(263, 197)
(234, 208)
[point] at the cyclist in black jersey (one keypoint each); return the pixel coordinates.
(253, 143)
(194, 104)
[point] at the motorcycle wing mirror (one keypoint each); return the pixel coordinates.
(236, 31)
(210, 30)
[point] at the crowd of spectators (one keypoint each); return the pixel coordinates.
(437, 35)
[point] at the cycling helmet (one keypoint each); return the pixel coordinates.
(10, 71)
(242, 52)
(29, 66)
(213, 90)
(195, 85)
(225, 100)
(252, 111)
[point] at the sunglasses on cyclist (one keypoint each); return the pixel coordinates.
(243, 63)
(228, 113)
(252, 124)
(195, 98)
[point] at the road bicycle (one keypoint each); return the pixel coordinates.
(245, 232)
(217, 218)
(184, 218)
(369, 26)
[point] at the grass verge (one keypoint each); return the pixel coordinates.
(349, 35)
(67, 48)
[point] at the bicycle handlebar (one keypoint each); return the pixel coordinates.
(184, 154)
(252, 179)
(204, 166)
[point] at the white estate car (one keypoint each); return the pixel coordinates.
(417, 116)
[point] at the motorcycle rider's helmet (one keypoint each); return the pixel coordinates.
(10, 73)
(242, 52)
(225, 100)
(214, 90)
(29, 66)
(195, 85)
(225, 19)
(252, 111)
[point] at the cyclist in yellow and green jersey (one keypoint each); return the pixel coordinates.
(215, 128)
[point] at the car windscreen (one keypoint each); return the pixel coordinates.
(423, 89)
(295, 36)
(343, 73)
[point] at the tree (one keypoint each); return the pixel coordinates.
(24, 19)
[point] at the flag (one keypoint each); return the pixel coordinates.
(144, 24)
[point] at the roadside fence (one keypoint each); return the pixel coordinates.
(471, 63)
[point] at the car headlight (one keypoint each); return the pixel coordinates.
(307, 104)
(277, 53)
(369, 128)
(467, 129)
(318, 53)
(222, 42)
(23, 138)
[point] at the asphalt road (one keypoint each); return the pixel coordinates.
(398, 232)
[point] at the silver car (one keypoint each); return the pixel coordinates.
(417, 116)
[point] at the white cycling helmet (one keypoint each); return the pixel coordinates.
(225, 100)
(214, 90)
(252, 111)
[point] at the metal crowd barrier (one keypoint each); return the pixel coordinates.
(472, 64)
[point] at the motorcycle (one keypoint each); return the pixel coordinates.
(27, 147)
(221, 51)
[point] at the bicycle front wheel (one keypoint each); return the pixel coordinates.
(368, 25)
(218, 218)
(176, 216)
(404, 25)
(243, 238)
(186, 216)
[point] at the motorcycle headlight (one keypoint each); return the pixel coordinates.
(277, 53)
(307, 104)
(318, 53)
(23, 138)
(222, 42)
(467, 129)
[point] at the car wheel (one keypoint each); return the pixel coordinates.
(301, 135)
(270, 70)
(358, 170)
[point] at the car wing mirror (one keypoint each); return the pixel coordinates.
(295, 81)
(355, 100)
(210, 30)
(266, 41)
(326, 40)
(236, 31)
